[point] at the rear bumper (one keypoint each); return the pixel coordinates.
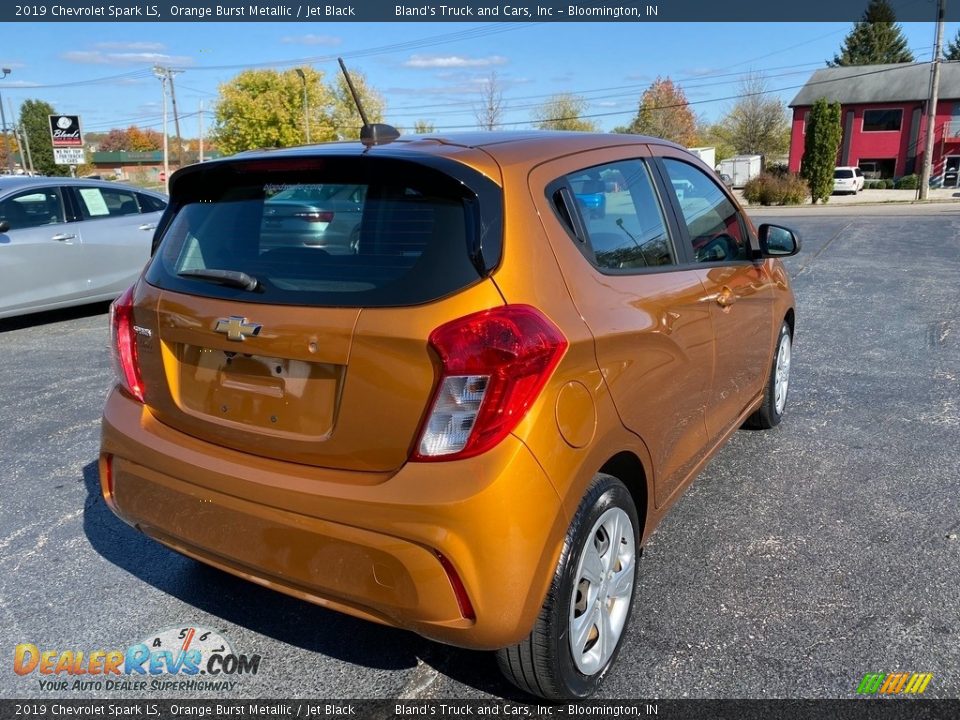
(366, 544)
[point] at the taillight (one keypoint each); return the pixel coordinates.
(493, 365)
(125, 344)
(315, 216)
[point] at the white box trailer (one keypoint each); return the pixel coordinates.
(742, 168)
(707, 154)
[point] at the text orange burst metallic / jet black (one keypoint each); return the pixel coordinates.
(466, 418)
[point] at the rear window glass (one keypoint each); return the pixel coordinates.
(359, 239)
(841, 174)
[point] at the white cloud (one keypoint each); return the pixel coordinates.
(311, 39)
(98, 57)
(453, 61)
(142, 46)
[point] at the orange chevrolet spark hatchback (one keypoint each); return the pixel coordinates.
(467, 420)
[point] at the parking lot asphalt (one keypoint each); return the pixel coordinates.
(801, 559)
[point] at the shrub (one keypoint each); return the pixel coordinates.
(770, 189)
(779, 169)
(873, 185)
(908, 182)
(888, 184)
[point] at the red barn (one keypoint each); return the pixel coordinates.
(884, 118)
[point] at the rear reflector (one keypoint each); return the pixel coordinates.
(125, 345)
(493, 366)
(459, 591)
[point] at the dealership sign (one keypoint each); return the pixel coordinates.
(65, 131)
(69, 156)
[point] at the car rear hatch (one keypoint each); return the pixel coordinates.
(287, 351)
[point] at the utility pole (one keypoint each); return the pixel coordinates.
(924, 189)
(176, 116)
(200, 121)
(25, 146)
(160, 73)
(3, 119)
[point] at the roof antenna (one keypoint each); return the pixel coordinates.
(370, 135)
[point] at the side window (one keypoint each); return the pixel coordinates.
(149, 204)
(711, 219)
(96, 202)
(622, 215)
(33, 208)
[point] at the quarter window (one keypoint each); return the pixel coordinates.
(882, 120)
(716, 234)
(33, 208)
(622, 215)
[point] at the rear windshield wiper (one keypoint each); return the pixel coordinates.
(231, 278)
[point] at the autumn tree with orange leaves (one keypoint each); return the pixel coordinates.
(665, 113)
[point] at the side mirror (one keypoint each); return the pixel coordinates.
(777, 241)
(4, 226)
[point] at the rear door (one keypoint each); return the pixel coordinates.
(740, 292)
(39, 253)
(652, 329)
(117, 233)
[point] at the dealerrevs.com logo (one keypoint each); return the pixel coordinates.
(181, 658)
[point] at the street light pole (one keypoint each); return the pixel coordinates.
(306, 105)
(3, 119)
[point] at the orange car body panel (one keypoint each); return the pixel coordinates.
(295, 475)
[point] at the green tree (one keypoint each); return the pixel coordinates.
(343, 110)
(757, 124)
(424, 127)
(665, 113)
(563, 112)
(820, 148)
(875, 39)
(264, 109)
(952, 50)
(35, 122)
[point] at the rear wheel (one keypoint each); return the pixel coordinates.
(774, 402)
(578, 633)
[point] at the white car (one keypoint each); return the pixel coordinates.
(847, 180)
(70, 242)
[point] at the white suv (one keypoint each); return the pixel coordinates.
(847, 180)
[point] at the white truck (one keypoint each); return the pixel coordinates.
(742, 168)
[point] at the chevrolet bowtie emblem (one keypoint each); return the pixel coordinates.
(237, 328)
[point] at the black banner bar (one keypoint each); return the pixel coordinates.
(858, 709)
(309, 11)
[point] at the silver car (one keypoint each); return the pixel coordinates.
(323, 216)
(69, 242)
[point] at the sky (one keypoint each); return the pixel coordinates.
(424, 71)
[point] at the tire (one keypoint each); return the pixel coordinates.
(770, 412)
(544, 663)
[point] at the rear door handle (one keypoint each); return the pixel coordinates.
(726, 297)
(63, 237)
(149, 226)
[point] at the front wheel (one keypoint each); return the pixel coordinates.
(770, 412)
(579, 630)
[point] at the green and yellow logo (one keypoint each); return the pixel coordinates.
(894, 683)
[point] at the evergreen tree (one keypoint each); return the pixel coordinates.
(35, 121)
(820, 148)
(952, 50)
(874, 40)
